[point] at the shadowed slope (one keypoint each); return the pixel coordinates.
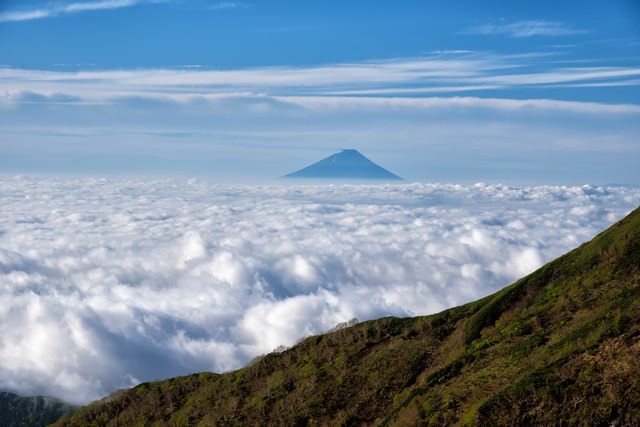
(347, 164)
(31, 411)
(560, 345)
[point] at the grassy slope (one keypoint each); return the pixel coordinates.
(561, 345)
(32, 411)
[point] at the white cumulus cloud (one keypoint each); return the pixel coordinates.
(106, 283)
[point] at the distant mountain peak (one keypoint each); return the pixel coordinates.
(348, 163)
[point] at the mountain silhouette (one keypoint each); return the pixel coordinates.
(347, 164)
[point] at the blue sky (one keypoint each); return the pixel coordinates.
(497, 91)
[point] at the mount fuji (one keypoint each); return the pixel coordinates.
(346, 164)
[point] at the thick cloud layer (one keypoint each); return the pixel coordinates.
(105, 283)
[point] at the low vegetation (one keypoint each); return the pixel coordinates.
(559, 347)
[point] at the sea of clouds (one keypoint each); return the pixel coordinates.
(105, 283)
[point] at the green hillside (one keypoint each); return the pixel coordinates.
(32, 411)
(558, 347)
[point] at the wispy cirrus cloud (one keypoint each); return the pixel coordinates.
(225, 5)
(65, 9)
(435, 102)
(462, 74)
(523, 29)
